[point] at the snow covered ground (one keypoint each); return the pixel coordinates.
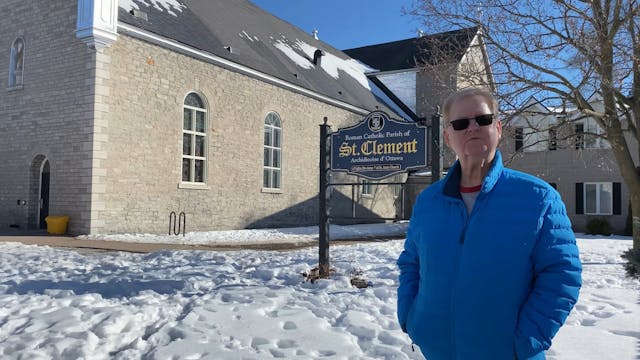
(298, 235)
(66, 304)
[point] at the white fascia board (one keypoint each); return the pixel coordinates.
(230, 65)
(391, 72)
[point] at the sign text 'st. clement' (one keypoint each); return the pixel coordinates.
(378, 147)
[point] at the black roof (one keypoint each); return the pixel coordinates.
(411, 53)
(239, 31)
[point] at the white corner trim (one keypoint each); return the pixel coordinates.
(97, 24)
(230, 65)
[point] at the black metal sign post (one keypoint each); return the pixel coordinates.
(436, 155)
(323, 225)
(375, 148)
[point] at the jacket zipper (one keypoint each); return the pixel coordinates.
(467, 220)
(468, 217)
(453, 291)
(464, 231)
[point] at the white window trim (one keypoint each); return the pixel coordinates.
(273, 190)
(366, 183)
(591, 129)
(518, 138)
(534, 140)
(584, 198)
(192, 184)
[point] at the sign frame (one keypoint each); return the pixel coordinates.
(379, 147)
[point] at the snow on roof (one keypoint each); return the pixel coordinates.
(245, 35)
(161, 5)
(298, 59)
(260, 41)
(330, 63)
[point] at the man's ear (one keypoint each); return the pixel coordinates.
(499, 129)
(445, 134)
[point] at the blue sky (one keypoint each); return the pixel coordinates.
(347, 24)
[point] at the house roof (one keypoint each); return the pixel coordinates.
(411, 53)
(244, 34)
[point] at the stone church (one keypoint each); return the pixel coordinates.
(118, 113)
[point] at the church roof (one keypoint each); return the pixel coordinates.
(411, 53)
(244, 34)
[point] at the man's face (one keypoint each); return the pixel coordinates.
(474, 141)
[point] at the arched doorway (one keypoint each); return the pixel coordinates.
(39, 184)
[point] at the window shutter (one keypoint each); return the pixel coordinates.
(519, 138)
(579, 198)
(617, 199)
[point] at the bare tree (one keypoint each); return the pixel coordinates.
(565, 53)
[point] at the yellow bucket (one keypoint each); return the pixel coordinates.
(57, 225)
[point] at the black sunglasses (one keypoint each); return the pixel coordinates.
(481, 120)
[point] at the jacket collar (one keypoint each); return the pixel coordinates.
(452, 180)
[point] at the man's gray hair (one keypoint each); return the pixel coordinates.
(469, 92)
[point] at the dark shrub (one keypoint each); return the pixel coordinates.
(633, 263)
(598, 226)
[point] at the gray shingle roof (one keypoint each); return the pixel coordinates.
(252, 34)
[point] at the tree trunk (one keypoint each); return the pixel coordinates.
(635, 223)
(635, 213)
(631, 176)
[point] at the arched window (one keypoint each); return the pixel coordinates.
(194, 139)
(272, 170)
(16, 63)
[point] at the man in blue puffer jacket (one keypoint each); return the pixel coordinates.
(490, 268)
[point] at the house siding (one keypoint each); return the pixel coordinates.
(567, 166)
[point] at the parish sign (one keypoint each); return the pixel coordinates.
(379, 147)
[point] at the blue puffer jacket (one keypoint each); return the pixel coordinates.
(493, 284)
